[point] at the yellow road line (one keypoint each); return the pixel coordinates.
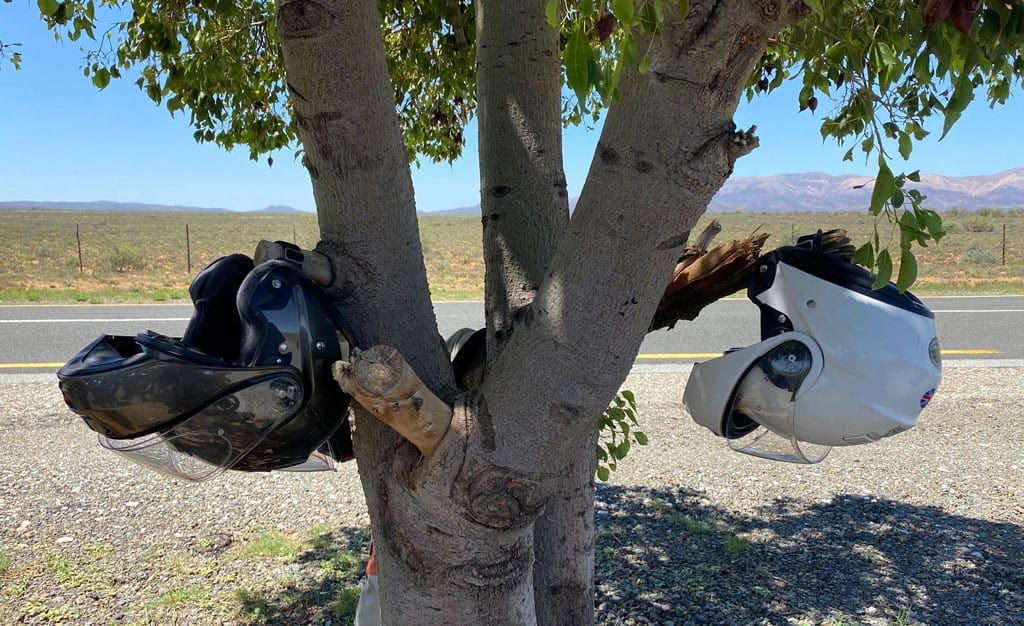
(14, 366)
(972, 351)
(681, 355)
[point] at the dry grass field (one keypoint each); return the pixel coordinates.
(141, 257)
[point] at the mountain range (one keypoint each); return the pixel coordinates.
(821, 192)
(781, 193)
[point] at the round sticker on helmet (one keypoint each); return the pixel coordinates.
(926, 398)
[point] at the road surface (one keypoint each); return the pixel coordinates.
(39, 338)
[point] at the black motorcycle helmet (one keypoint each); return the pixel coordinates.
(247, 387)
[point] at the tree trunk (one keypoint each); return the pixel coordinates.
(456, 531)
(523, 201)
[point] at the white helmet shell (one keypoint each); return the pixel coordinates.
(838, 364)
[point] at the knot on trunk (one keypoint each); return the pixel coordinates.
(303, 18)
(499, 499)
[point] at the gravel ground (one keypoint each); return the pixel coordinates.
(924, 528)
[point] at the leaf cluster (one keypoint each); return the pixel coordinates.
(600, 38)
(891, 71)
(617, 426)
(221, 63)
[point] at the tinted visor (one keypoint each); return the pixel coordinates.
(125, 389)
(217, 437)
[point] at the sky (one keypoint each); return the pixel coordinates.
(63, 140)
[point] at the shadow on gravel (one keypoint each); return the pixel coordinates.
(333, 564)
(672, 557)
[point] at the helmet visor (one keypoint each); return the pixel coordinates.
(217, 437)
(762, 420)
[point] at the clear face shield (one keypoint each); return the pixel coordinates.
(759, 415)
(217, 437)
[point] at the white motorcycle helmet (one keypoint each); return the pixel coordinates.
(839, 364)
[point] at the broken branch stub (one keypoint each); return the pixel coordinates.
(382, 382)
(701, 278)
(315, 266)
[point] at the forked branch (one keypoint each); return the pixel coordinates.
(382, 382)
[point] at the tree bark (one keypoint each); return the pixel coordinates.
(523, 202)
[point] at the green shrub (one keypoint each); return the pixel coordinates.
(123, 258)
(978, 224)
(977, 253)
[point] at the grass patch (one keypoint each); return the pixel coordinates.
(189, 595)
(735, 546)
(272, 544)
(344, 604)
(6, 561)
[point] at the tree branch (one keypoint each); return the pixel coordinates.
(702, 277)
(666, 148)
(524, 203)
(381, 381)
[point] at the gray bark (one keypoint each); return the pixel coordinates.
(525, 210)
(457, 532)
(523, 203)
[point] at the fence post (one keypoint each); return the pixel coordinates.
(78, 238)
(188, 250)
(1004, 243)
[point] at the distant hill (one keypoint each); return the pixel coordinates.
(785, 193)
(277, 208)
(108, 205)
(821, 192)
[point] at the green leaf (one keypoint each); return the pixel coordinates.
(963, 93)
(865, 255)
(630, 398)
(683, 10)
(885, 185)
(905, 146)
(659, 10)
(914, 176)
(578, 56)
(622, 450)
(908, 271)
(884, 270)
(641, 437)
(48, 7)
(623, 10)
(816, 8)
(101, 78)
(551, 13)
(601, 454)
(645, 61)
(933, 222)
(603, 474)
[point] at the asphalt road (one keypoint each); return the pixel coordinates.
(983, 330)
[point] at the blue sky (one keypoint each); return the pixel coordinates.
(61, 139)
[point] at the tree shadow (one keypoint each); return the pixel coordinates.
(670, 556)
(326, 586)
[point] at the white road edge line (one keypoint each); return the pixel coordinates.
(89, 320)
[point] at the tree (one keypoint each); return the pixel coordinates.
(495, 522)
